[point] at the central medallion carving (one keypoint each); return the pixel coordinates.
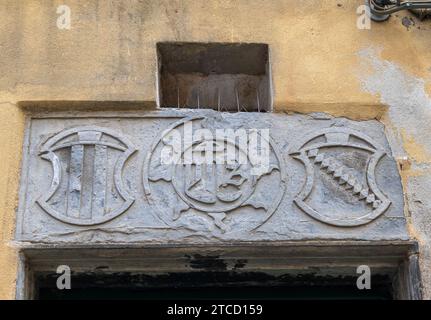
(209, 192)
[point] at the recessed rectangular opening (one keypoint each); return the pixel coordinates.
(230, 77)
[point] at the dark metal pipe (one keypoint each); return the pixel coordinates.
(406, 5)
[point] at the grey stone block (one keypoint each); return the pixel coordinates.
(100, 178)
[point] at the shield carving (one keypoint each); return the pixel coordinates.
(86, 186)
(340, 187)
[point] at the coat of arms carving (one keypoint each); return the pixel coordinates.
(340, 188)
(87, 187)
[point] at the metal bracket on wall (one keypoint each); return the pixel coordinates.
(380, 10)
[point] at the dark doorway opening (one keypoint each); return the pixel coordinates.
(210, 285)
(259, 271)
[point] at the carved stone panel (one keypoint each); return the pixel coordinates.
(120, 178)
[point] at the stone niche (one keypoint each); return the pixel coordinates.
(103, 178)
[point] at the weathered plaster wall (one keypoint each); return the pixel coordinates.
(407, 123)
(320, 62)
(109, 53)
(11, 136)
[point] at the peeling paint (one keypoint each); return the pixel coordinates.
(408, 129)
(406, 96)
(408, 22)
(209, 263)
(414, 150)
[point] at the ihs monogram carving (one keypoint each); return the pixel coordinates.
(87, 187)
(340, 187)
(213, 196)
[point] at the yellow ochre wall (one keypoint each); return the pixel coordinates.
(320, 61)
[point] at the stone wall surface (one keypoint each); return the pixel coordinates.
(320, 62)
